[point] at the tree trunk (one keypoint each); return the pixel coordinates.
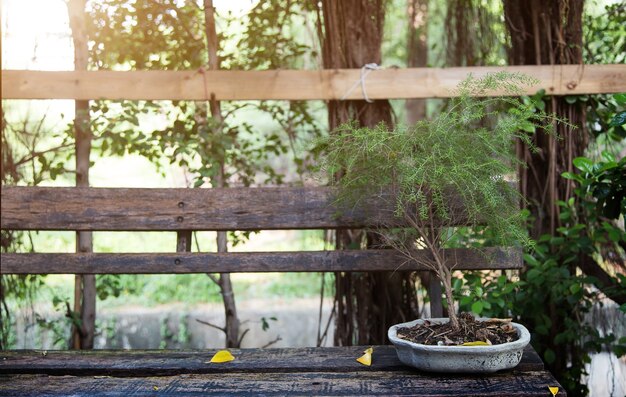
(470, 37)
(417, 53)
(367, 303)
(85, 285)
(231, 327)
(549, 33)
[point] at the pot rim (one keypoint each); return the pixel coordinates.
(520, 343)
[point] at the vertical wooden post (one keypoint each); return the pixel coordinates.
(230, 307)
(183, 241)
(434, 293)
(85, 285)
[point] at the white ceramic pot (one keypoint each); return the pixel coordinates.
(461, 359)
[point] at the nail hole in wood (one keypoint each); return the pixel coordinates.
(177, 261)
(179, 219)
(181, 204)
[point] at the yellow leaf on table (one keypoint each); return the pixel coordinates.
(553, 390)
(475, 343)
(366, 358)
(222, 356)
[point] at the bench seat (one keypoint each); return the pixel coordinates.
(289, 371)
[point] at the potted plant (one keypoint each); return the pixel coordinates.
(453, 170)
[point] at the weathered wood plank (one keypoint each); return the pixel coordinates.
(299, 261)
(370, 383)
(296, 84)
(170, 209)
(100, 209)
(124, 363)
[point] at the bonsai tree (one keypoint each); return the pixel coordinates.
(453, 170)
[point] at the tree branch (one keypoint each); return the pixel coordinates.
(606, 283)
(270, 343)
(211, 325)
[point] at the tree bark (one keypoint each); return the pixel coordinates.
(367, 303)
(85, 285)
(226, 288)
(549, 33)
(417, 53)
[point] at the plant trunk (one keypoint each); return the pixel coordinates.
(231, 327)
(84, 285)
(367, 303)
(447, 284)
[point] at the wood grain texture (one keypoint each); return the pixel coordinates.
(124, 363)
(300, 261)
(296, 84)
(371, 383)
(100, 209)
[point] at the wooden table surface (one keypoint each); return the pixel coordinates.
(271, 372)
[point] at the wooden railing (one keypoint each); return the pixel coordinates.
(391, 83)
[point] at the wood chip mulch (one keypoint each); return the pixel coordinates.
(494, 331)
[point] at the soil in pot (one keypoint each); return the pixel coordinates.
(493, 331)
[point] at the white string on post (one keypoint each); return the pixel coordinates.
(365, 70)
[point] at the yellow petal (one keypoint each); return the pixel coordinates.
(222, 356)
(475, 343)
(553, 390)
(366, 358)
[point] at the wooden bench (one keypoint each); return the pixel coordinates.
(313, 371)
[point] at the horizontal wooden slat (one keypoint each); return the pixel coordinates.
(371, 383)
(161, 363)
(169, 209)
(109, 209)
(295, 84)
(303, 261)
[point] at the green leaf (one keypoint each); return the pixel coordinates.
(549, 356)
(477, 307)
(618, 119)
(615, 235)
(574, 288)
(572, 176)
(608, 157)
(533, 274)
(571, 99)
(527, 126)
(531, 260)
(583, 164)
(620, 98)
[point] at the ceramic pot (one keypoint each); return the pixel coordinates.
(459, 359)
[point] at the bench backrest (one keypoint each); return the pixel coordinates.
(117, 209)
